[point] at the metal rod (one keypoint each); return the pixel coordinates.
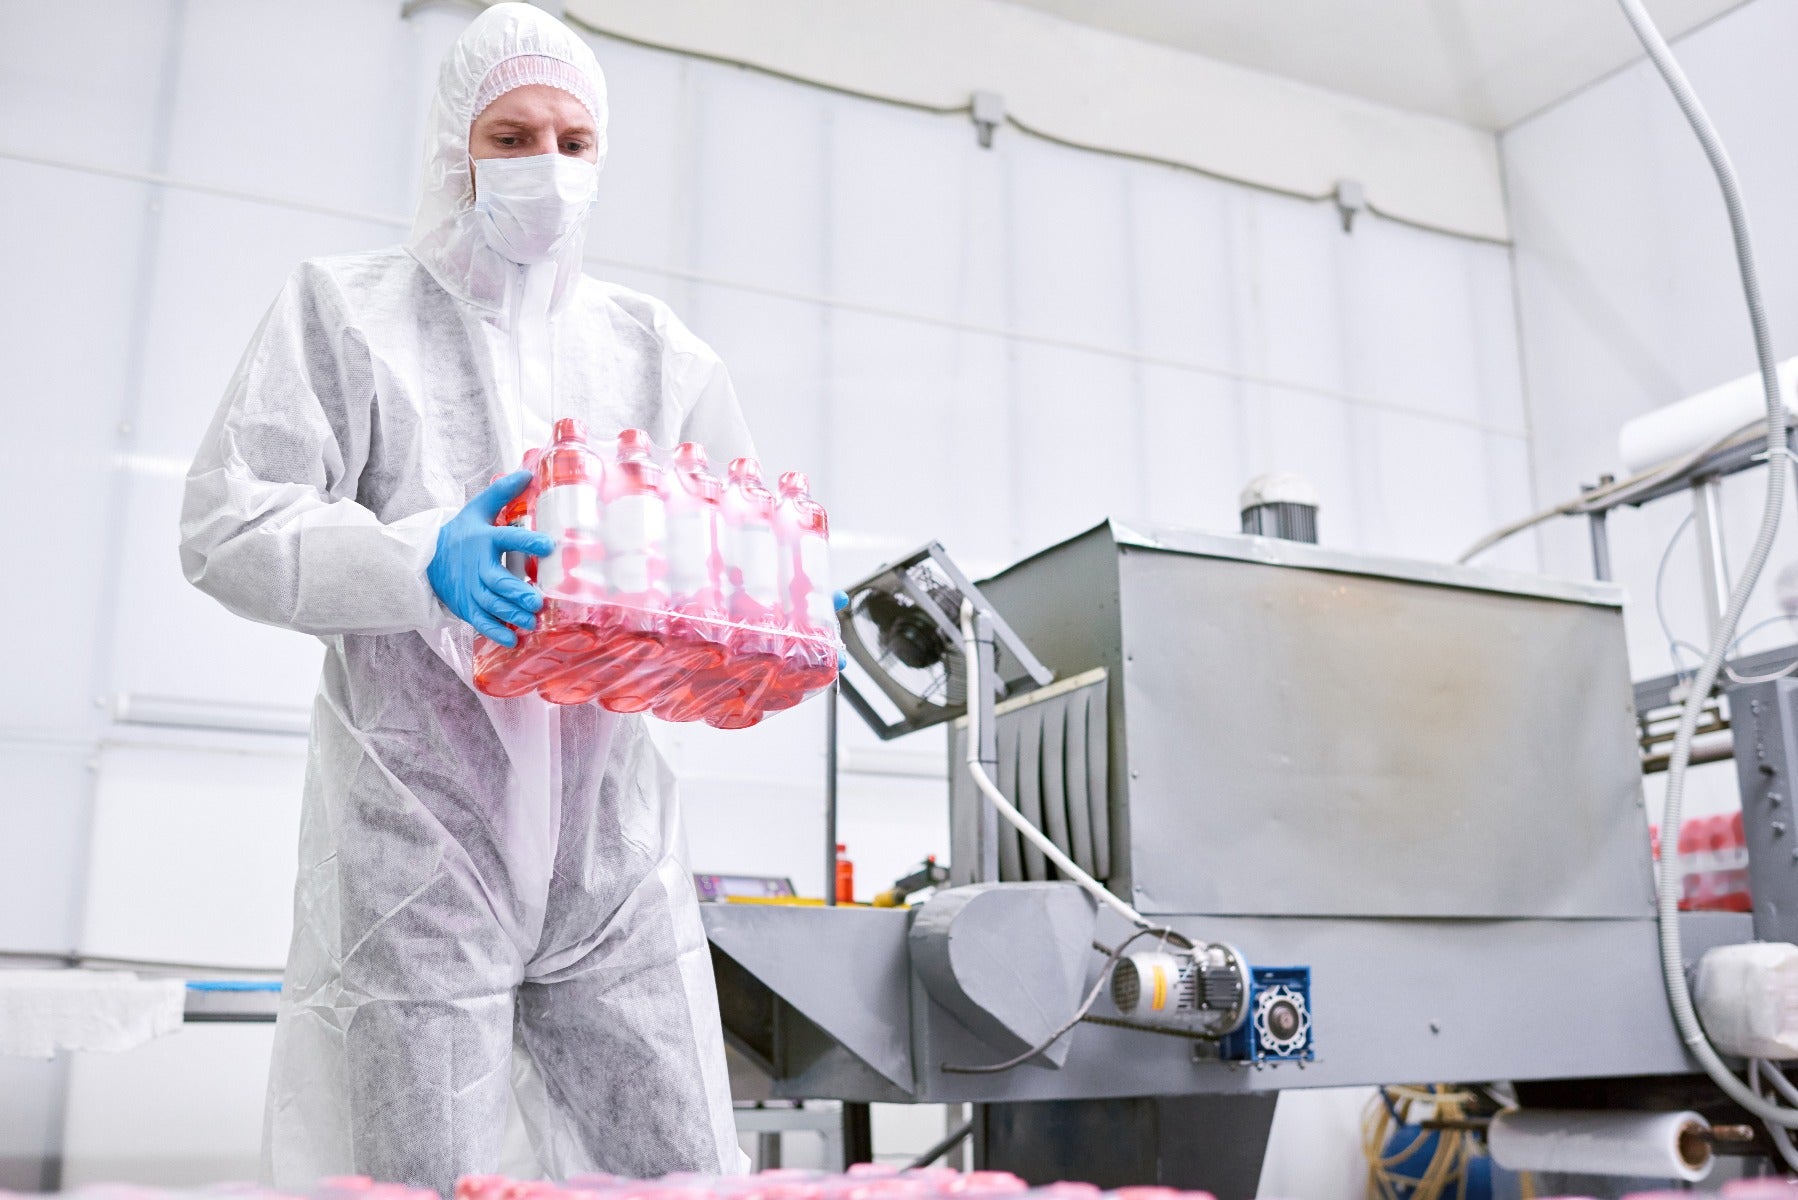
(1707, 521)
(830, 796)
(1601, 541)
(943, 1147)
(986, 822)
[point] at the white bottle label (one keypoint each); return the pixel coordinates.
(814, 560)
(634, 537)
(689, 551)
(753, 554)
(569, 514)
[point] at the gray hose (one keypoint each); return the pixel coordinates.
(1679, 996)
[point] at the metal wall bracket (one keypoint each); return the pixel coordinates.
(988, 111)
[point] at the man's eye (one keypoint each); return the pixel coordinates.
(506, 139)
(574, 147)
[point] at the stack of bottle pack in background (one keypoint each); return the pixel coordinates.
(864, 1182)
(671, 590)
(1713, 864)
(867, 1181)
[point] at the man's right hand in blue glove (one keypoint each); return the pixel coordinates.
(468, 575)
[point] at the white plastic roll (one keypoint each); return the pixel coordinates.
(1691, 424)
(1645, 1145)
(1747, 997)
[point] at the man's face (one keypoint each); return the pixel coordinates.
(534, 119)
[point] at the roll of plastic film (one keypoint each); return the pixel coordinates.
(1648, 1145)
(1691, 424)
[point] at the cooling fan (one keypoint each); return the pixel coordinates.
(902, 631)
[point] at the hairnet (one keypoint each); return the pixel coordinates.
(527, 69)
(502, 48)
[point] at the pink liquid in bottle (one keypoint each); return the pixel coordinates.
(751, 600)
(697, 634)
(569, 508)
(509, 671)
(809, 656)
(634, 671)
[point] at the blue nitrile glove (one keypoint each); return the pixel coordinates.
(841, 600)
(467, 574)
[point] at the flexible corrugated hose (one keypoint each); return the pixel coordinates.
(1679, 995)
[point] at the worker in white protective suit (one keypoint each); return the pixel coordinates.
(481, 882)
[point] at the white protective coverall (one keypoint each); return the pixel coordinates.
(476, 876)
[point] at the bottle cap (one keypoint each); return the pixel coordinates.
(570, 429)
(690, 456)
(745, 468)
(795, 483)
(633, 444)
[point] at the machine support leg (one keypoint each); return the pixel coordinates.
(830, 795)
(1707, 522)
(858, 1134)
(1601, 538)
(986, 825)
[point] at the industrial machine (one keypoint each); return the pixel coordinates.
(1382, 818)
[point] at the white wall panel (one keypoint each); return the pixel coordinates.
(1291, 286)
(760, 210)
(193, 855)
(1200, 446)
(1186, 263)
(1077, 440)
(69, 313)
(219, 264)
(921, 430)
(184, 1110)
(338, 116)
(1426, 328)
(96, 68)
(44, 813)
(643, 214)
(914, 221)
(1069, 236)
(1628, 294)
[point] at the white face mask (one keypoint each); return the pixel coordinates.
(531, 207)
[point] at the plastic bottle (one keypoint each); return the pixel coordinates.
(633, 671)
(507, 671)
(569, 507)
(845, 876)
(752, 598)
(802, 534)
(698, 637)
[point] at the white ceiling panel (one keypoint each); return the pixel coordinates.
(1488, 63)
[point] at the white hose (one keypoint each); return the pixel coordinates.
(1679, 996)
(1759, 1069)
(1007, 809)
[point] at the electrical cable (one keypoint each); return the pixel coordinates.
(1614, 494)
(941, 1148)
(1007, 809)
(1781, 1138)
(1679, 995)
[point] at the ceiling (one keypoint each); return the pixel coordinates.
(1487, 63)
